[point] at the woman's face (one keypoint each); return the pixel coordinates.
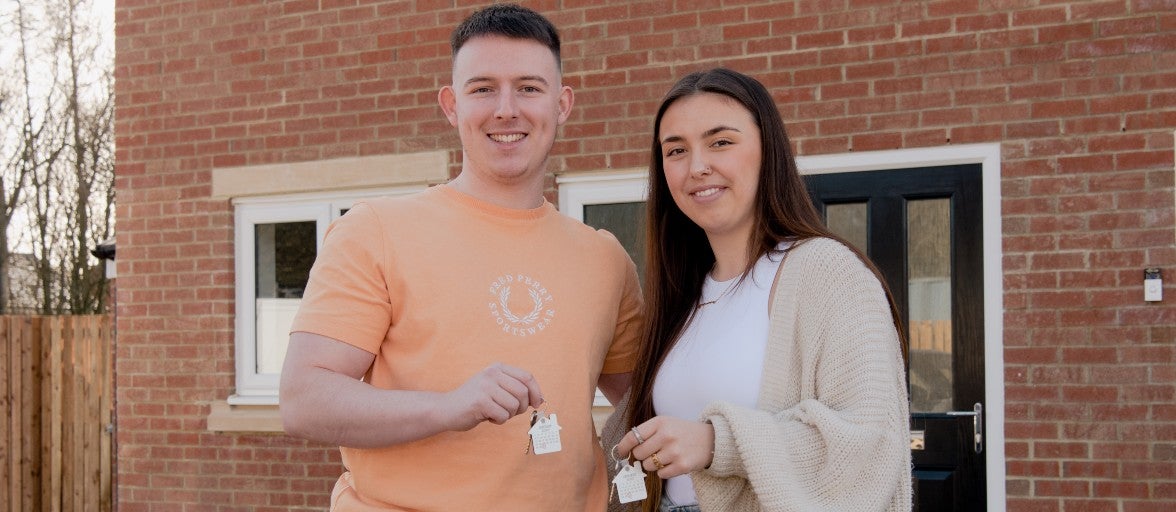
(711, 154)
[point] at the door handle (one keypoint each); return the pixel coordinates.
(977, 414)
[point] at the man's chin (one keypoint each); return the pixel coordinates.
(512, 172)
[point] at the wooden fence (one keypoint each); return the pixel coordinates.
(56, 396)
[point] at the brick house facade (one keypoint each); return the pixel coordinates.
(223, 104)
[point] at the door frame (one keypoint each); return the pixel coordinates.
(988, 157)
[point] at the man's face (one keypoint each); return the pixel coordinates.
(506, 101)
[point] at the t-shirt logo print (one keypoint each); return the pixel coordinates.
(521, 305)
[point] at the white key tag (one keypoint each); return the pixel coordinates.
(630, 482)
(545, 434)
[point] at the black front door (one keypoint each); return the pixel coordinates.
(923, 228)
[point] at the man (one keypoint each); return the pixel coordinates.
(436, 329)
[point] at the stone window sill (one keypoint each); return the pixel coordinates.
(244, 418)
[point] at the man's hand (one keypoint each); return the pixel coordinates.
(495, 394)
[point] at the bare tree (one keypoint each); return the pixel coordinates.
(12, 182)
(64, 154)
(29, 133)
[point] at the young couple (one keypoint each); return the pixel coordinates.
(440, 332)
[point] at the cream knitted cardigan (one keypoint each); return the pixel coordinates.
(830, 430)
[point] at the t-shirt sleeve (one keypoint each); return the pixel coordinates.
(622, 354)
(347, 296)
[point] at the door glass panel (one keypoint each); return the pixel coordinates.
(626, 221)
(285, 253)
(929, 303)
(848, 220)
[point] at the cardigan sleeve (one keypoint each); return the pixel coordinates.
(831, 429)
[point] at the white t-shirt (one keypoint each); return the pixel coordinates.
(719, 356)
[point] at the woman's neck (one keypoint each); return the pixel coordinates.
(731, 256)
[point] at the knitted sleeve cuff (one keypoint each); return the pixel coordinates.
(726, 461)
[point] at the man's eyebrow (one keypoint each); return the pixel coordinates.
(526, 78)
(477, 79)
(533, 78)
(709, 133)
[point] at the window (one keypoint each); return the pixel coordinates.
(275, 246)
(281, 212)
(277, 240)
(614, 202)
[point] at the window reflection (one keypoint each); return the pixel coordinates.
(929, 303)
(285, 253)
(626, 221)
(848, 220)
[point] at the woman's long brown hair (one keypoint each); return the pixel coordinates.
(679, 256)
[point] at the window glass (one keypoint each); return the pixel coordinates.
(848, 220)
(929, 303)
(626, 221)
(284, 254)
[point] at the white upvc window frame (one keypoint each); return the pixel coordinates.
(252, 386)
(584, 189)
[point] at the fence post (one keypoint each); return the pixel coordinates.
(7, 415)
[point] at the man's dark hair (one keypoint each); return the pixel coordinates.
(507, 20)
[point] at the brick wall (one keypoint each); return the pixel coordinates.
(1080, 95)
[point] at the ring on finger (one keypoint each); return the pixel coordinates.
(637, 434)
(656, 463)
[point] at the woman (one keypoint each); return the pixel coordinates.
(772, 376)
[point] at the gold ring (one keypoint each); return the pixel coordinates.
(656, 463)
(637, 434)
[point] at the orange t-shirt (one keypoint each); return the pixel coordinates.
(438, 285)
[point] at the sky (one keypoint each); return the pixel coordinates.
(100, 19)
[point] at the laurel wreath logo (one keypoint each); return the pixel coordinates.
(520, 321)
(529, 318)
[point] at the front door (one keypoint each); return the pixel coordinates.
(922, 228)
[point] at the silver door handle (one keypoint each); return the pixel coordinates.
(977, 414)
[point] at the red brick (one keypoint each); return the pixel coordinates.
(1137, 490)
(1061, 488)
(1090, 505)
(1046, 469)
(1033, 505)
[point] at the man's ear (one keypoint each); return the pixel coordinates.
(447, 98)
(566, 98)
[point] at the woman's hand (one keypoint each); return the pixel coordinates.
(670, 446)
